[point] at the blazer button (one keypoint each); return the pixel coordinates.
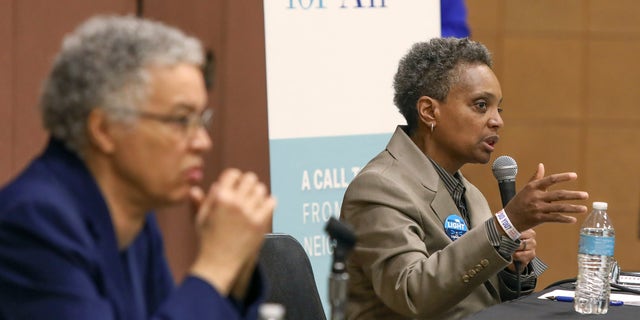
(484, 262)
(472, 273)
(478, 268)
(465, 278)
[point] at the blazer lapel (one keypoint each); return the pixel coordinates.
(404, 150)
(478, 211)
(443, 205)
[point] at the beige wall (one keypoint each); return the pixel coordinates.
(569, 72)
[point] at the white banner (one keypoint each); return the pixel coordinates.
(330, 67)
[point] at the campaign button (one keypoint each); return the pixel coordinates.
(455, 227)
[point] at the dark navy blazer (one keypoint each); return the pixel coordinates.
(59, 257)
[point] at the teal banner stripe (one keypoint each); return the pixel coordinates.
(309, 177)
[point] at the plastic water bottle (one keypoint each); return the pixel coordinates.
(595, 258)
(271, 311)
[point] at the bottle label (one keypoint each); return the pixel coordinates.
(599, 246)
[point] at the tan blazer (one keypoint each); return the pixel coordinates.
(404, 266)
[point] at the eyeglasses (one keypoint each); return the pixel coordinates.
(188, 123)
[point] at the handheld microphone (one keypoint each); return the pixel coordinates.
(344, 237)
(505, 170)
(345, 240)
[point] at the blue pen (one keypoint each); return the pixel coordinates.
(570, 299)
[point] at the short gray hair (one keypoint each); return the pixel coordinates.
(429, 69)
(103, 63)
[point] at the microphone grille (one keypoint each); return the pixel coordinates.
(505, 168)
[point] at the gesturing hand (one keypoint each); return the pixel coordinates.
(534, 204)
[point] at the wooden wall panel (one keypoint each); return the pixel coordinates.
(244, 83)
(613, 81)
(485, 17)
(613, 18)
(39, 27)
(556, 145)
(6, 90)
(548, 16)
(542, 78)
(613, 158)
(568, 72)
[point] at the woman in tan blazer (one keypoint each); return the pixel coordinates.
(429, 246)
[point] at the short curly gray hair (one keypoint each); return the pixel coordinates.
(103, 63)
(429, 69)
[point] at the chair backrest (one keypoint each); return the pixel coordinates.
(291, 280)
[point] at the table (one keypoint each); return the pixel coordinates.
(530, 307)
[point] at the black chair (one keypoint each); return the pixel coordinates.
(291, 282)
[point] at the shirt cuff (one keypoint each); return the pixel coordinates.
(538, 266)
(504, 245)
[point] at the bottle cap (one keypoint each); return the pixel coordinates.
(600, 205)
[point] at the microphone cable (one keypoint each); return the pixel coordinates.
(519, 279)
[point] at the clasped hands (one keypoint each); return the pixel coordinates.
(231, 220)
